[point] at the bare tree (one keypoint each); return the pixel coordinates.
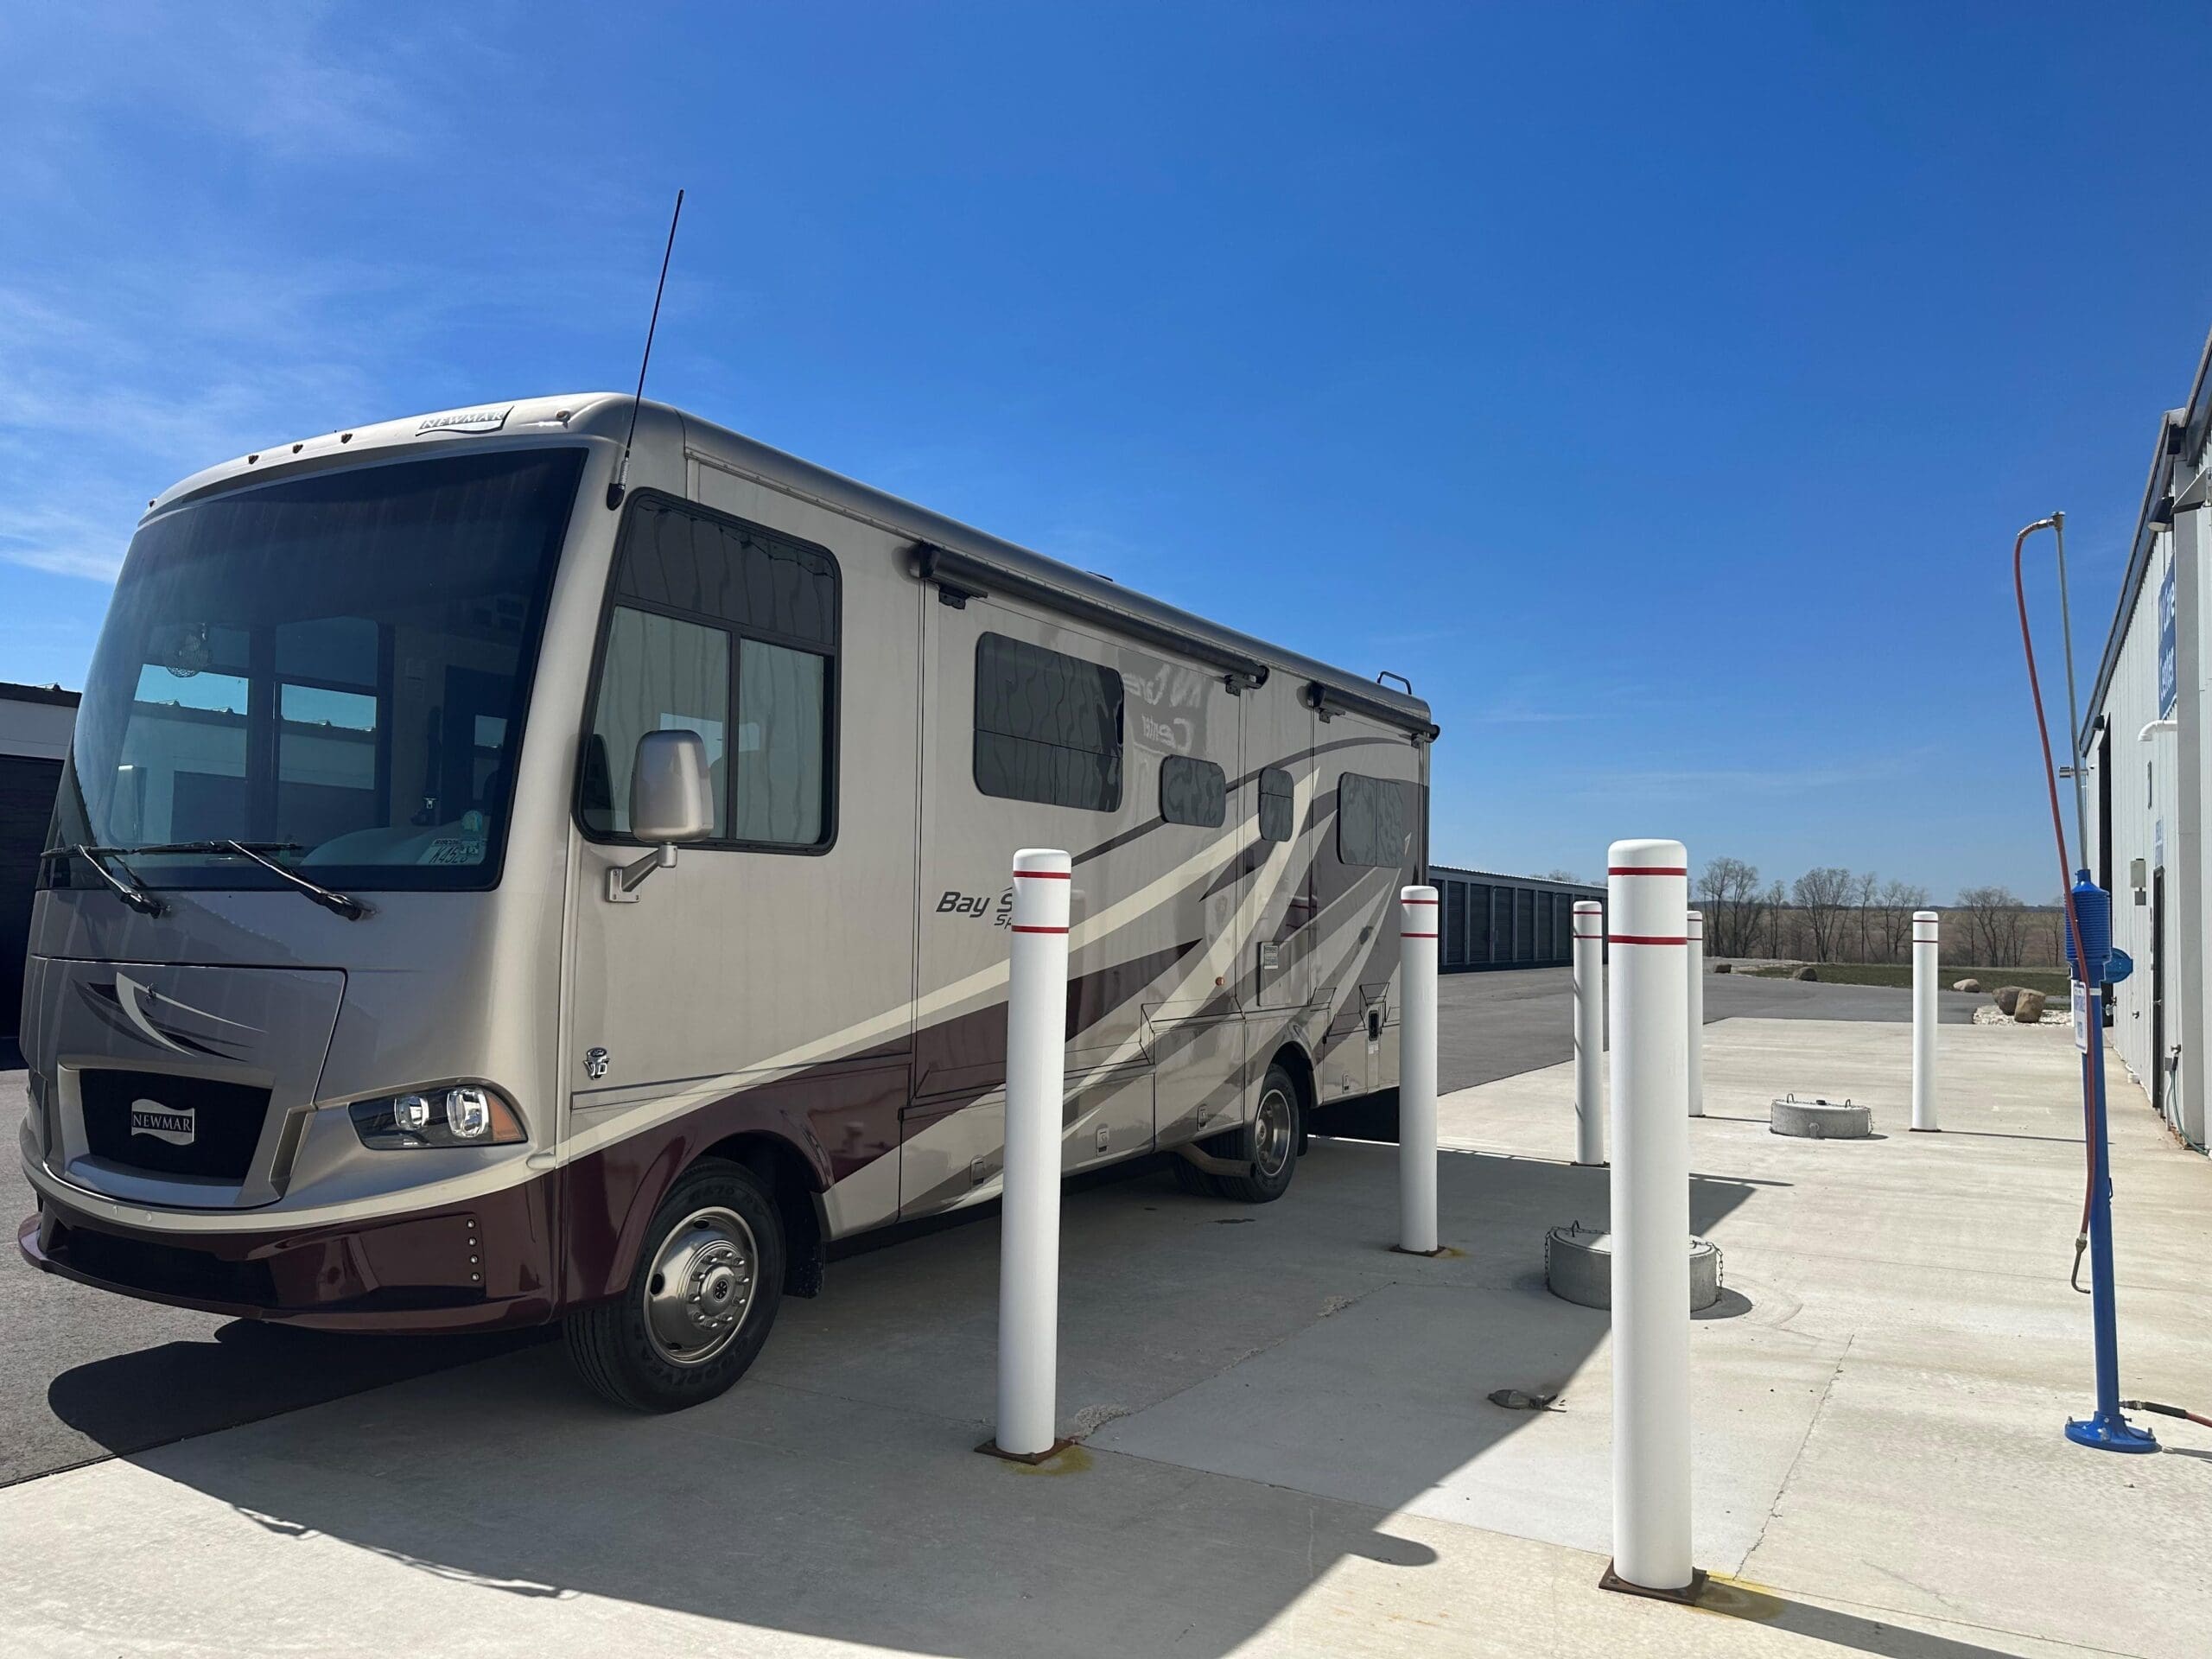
(1993, 914)
(1821, 893)
(1776, 901)
(1900, 901)
(1728, 894)
(1568, 877)
(1863, 898)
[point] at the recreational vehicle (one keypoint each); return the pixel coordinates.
(550, 860)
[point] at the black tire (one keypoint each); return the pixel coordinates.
(1194, 1180)
(1270, 1142)
(658, 1348)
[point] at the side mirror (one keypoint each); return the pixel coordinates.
(671, 795)
(672, 800)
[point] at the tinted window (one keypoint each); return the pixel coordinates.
(337, 665)
(682, 559)
(781, 743)
(1278, 806)
(1372, 821)
(661, 674)
(728, 630)
(1193, 792)
(1048, 728)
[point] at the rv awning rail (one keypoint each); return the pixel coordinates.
(964, 576)
(1324, 698)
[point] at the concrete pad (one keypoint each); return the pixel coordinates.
(1303, 1415)
(1926, 1489)
(486, 1512)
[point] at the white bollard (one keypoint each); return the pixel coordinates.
(1925, 932)
(1417, 1071)
(1589, 1032)
(1647, 921)
(1029, 1226)
(1696, 986)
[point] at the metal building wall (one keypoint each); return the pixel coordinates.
(2142, 784)
(2153, 774)
(34, 726)
(1505, 921)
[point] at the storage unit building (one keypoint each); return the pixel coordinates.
(1504, 921)
(35, 721)
(2144, 742)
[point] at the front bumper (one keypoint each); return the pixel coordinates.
(482, 1265)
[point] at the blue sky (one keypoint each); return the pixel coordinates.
(1659, 387)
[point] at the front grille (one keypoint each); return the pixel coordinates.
(172, 1126)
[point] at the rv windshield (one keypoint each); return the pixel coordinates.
(333, 668)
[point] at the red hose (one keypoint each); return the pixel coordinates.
(2065, 870)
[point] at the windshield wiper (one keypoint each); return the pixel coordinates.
(138, 898)
(128, 888)
(351, 909)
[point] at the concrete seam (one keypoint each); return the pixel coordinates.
(1797, 1457)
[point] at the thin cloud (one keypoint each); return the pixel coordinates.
(1540, 700)
(1689, 783)
(61, 543)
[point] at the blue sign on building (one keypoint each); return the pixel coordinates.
(2169, 683)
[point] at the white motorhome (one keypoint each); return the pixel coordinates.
(502, 875)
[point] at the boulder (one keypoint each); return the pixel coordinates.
(1967, 985)
(2008, 997)
(1724, 967)
(2029, 1009)
(1807, 972)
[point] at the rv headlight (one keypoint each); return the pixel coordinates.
(456, 1114)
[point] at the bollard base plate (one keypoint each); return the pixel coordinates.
(2113, 1433)
(1400, 1249)
(1686, 1597)
(992, 1449)
(1931, 1130)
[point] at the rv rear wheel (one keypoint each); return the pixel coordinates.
(709, 1280)
(1272, 1141)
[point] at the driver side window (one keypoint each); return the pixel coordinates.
(661, 674)
(729, 630)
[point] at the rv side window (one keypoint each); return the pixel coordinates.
(1048, 728)
(661, 674)
(1193, 792)
(728, 630)
(1372, 821)
(1278, 808)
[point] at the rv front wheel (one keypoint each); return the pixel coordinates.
(699, 1304)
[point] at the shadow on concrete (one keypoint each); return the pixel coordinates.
(835, 1492)
(1733, 1600)
(1733, 1304)
(247, 1371)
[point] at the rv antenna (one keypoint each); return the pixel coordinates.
(622, 472)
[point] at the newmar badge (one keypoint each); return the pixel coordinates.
(176, 1125)
(467, 420)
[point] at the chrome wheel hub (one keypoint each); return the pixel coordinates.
(701, 1286)
(1273, 1136)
